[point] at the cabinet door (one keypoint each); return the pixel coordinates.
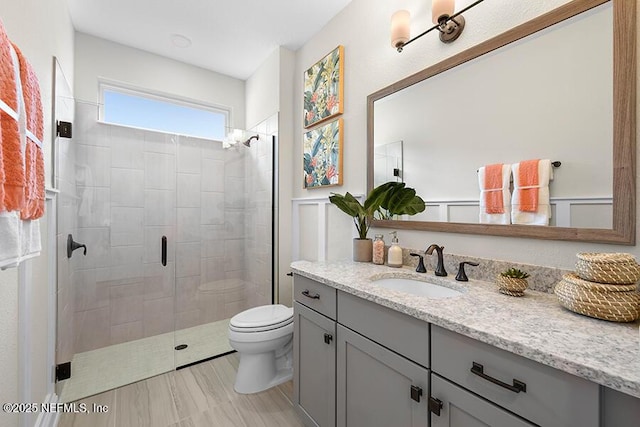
(377, 387)
(461, 408)
(314, 354)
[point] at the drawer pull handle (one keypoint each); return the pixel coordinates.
(416, 392)
(307, 294)
(517, 387)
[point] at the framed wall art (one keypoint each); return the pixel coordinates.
(323, 88)
(322, 154)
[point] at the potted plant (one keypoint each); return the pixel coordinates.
(383, 202)
(512, 282)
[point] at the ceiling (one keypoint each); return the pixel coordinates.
(232, 37)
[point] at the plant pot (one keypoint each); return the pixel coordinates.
(511, 285)
(362, 250)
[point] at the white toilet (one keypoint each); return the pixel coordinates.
(263, 336)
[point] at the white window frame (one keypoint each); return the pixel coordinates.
(127, 89)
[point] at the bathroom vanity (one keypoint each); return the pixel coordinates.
(369, 356)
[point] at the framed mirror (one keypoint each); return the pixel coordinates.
(561, 87)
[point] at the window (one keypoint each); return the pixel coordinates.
(127, 107)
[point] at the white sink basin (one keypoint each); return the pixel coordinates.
(417, 287)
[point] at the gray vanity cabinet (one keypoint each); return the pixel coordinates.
(377, 387)
(456, 407)
(314, 352)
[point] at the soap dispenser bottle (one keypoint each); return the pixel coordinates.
(395, 252)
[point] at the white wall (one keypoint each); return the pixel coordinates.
(371, 64)
(41, 30)
(97, 57)
(269, 90)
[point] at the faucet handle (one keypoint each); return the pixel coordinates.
(462, 276)
(420, 268)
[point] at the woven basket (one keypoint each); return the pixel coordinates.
(613, 306)
(511, 285)
(574, 279)
(610, 268)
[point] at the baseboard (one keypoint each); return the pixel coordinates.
(48, 419)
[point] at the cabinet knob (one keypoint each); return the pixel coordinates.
(328, 338)
(416, 392)
(435, 405)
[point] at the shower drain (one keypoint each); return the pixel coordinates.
(181, 347)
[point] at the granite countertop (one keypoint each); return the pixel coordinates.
(534, 326)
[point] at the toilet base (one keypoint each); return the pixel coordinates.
(259, 372)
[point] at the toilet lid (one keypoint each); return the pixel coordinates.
(265, 315)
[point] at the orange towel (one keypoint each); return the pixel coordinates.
(528, 177)
(34, 159)
(11, 160)
(493, 197)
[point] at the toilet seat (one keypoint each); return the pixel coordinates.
(263, 318)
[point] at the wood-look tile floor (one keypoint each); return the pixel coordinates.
(198, 396)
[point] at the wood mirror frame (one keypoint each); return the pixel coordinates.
(624, 129)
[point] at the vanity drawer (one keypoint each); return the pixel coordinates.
(552, 397)
(399, 332)
(315, 295)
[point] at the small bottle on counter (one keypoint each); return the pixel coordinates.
(394, 257)
(378, 249)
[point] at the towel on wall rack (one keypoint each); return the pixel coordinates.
(11, 152)
(522, 203)
(22, 192)
(33, 132)
(495, 196)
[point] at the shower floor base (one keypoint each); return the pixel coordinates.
(106, 368)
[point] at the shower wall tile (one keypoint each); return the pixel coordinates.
(212, 269)
(234, 255)
(186, 291)
(127, 148)
(159, 207)
(188, 225)
(234, 163)
(213, 151)
(211, 240)
(234, 195)
(158, 142)
(94, 209)
(127, 226)
(189, 155)
(126, 332)
(88, 293)
(212, 208)
(188, 190)
(188, 259)
(187, 319)
(95, 160)
(92, 329)
(159, 171)
(234, 224)
(213, 175)
(158, 316)
(135, 288)
(127, 187)
(159, 280)
(87, 129)
(127, 309)
(126, 263)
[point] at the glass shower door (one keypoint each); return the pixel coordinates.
(116, 304)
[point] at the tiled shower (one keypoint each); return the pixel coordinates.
(123, 189)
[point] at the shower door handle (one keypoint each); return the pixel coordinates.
(164, 251)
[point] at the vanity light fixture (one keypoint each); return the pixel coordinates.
(448, 23)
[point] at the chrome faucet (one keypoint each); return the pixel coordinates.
(440, 271)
